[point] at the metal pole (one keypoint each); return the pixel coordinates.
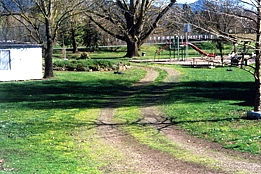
(186, 37)
(178, 46)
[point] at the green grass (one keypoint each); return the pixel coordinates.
(162, 75)
(209, 103)
(49, 126)
(129, 116)
(149, 136)
(108, 54)
(212, 103)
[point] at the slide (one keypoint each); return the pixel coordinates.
(201, 51)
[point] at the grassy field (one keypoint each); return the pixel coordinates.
(209, 103)
(130, 114)
(212, 103)
(49, 126)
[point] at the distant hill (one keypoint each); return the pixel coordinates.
(195, 6)
(198, 5)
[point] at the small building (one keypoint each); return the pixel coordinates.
(20, 61)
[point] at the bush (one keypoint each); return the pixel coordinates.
(71, 66)
(84, 65)
(84, 55)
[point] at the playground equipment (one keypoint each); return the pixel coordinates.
(177, 50)
(202, 52)
(178, 46)
(242, 56)
(173, 46)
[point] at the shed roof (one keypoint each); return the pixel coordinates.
(8, 45)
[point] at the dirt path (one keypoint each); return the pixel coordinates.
(228, 160)
(140, 158)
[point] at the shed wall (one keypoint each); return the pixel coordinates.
(26, 64)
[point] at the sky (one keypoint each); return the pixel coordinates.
(191, 1)
(186, 1)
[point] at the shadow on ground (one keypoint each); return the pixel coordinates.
(107, 93)
(99, 94)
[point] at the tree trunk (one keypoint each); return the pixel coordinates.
(257, 104)
(220, 46)
(48, 56)
(132, 49)
(74, 42)
(243, 55)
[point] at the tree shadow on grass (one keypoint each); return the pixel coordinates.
(201, 91)
(111, 93)
(114, 93)
(55, 94)
(39, 126)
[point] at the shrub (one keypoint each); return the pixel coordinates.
(71, 66)
(84, 55)
(73, 57)
(84, 65)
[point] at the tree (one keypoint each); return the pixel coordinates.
(215, 18)
(71, 32)
(91, 36)
(248, 13)
(257, 75)
(42, 16)
(130, 21)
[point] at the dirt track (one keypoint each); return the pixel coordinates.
(230, 161)
(142, 159)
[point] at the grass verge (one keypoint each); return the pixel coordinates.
(50, 126)
(212, 103)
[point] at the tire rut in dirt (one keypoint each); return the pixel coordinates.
(228, 160)
(140, 158)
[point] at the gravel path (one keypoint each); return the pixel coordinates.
(140, 158)
(228, 160)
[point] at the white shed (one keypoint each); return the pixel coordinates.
(20, 61)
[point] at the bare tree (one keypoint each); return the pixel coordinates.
(70, 33)
(248, 14)
(256, 4)
(214, 18)
(131, 21)
(42, 16)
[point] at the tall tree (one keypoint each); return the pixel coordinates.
(131, 21)
(214, 18)
(256, 4)
(71, 32)
(42, 16)
(248, 14)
